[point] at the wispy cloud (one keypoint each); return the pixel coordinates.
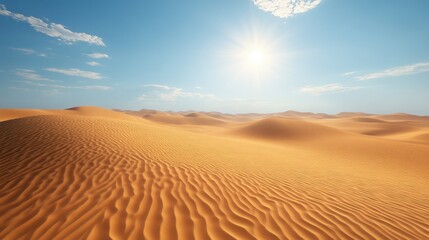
(349, 73)
(29, 51)
(397, 71)
(93, 87)
(97, 55)
(30, 75)
(26, 51)
(286, 8)
(159, 86)
(169, 93)
(49, 91)
(328, 88)
(76, 72)
(52, 29)
(94, 64)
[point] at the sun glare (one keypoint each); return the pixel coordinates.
(256, 56)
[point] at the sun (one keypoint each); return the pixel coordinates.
(256, 56)
(253, 57)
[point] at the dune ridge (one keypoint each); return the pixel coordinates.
(94, 174)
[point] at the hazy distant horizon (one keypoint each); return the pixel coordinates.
(233, 113)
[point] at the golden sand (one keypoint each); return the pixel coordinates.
(93, 173)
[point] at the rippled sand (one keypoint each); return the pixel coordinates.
(92, 173)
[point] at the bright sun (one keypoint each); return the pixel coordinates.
(256, 57)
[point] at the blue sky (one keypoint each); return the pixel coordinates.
(229, 56)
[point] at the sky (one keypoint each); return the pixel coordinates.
(236, 56)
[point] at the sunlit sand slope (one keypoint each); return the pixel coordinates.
(399, 127)
(8, 114)
(87, 177)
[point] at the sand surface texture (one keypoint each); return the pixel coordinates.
(93, 173)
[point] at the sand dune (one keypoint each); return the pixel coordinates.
(367, 120)
(424, 137)
(188, 119)
(91, 173)
(303, 114)
(8, 114)
(383, 126)
(275, 128)
(373, 126)
(353, 114)
(142, 113)
(403, 117)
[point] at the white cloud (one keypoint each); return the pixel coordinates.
(94, 87)
(328, 88)
(52, 29)
(169, 93)
(29, 51)
(397, 71)
(142, 97)
(76, 72)
(349, 73)
(26, 51)
(94, 64)
(30, 75)
(159, 86)
(97, 55)
(286, 8)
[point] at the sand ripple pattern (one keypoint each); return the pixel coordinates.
(68, 177)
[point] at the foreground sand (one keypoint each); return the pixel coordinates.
(91, 173)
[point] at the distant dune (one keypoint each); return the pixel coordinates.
(93, 173)
(189, 119)
(277, 128)
(404, 117)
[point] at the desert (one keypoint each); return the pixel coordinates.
(94, 173)
(214, 120)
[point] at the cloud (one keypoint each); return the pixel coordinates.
(26, 51)
(29, 51)
(50, 91)
(97, 55)
(328, 88)
(76, 72)
(168, 93)
(286, 8)
(397, 71)
(94, 87)
(143, 97)
(52, 29)
(94, 64)
(30, 75)
(159, 86)
(349, 73)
